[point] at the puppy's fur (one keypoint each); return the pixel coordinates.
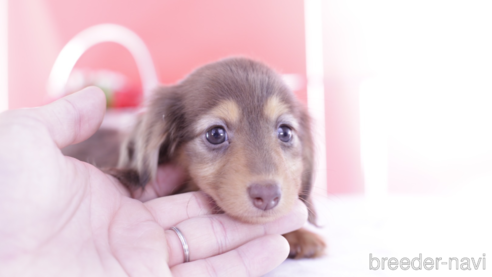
(250, 102)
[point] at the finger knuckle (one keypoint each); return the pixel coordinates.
(220, 233)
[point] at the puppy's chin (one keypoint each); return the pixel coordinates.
(255, 219)
(252, 215)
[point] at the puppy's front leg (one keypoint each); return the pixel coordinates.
(305, 244)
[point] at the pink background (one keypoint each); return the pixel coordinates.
(181, 35)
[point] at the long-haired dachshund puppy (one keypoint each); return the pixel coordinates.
(242, 137)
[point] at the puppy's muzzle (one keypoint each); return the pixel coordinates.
(264, 196)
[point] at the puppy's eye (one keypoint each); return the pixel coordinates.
(284, 133)
(216, 135)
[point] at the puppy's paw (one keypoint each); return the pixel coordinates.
(305, 244)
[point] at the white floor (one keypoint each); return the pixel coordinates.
(457, 225)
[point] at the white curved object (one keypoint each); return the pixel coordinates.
(91, 36)
(313, 20)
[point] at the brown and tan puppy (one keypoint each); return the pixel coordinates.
(243, 138)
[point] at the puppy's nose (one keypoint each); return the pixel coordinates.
(265, 196)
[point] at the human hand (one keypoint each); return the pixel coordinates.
(61, 216)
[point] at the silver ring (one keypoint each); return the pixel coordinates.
(186, 250)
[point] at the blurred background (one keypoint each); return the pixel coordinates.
(406, 85)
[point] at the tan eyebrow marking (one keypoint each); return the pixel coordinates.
(274, 108)
(227, 111)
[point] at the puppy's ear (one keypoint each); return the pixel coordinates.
(153, 140)
(308, 164)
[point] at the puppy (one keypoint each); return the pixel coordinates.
(242, 137)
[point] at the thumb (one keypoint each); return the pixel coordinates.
(74, 118)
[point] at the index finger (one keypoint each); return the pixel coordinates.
(254, 258)
(208, 236)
